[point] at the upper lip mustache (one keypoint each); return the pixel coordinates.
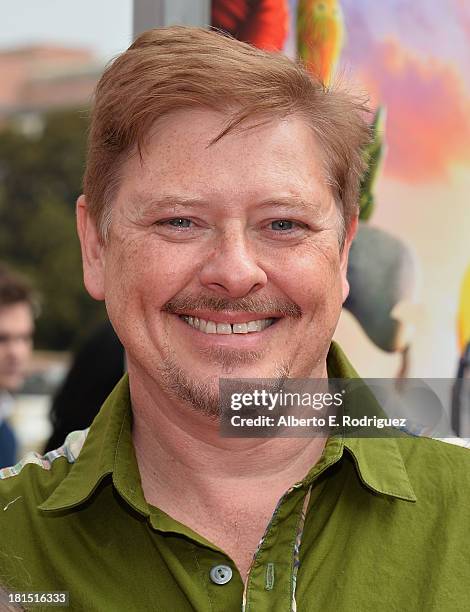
(228, 317)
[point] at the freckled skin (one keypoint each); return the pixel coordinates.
(231, 249)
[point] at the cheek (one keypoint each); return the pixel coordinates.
(146, 272)
(24, 350)
(310, 276)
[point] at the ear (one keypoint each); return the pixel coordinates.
(92, 251)
(350, 233)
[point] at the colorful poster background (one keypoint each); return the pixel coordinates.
(414, 59)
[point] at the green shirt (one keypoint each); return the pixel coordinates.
(386, 527)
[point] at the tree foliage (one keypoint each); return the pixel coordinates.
(40, 180)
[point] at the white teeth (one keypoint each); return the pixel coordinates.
(254, 326)
(240, 328)
(210, 327)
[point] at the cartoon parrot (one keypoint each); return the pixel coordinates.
(381, 274)
(375, 154)
(320, 36)
(382, 286)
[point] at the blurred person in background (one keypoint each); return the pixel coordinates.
(97, 367)
(16, 341)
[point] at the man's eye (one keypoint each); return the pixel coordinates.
(178, 222)
(282, 224)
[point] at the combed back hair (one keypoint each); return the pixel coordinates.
(174, 68)
(14, 289)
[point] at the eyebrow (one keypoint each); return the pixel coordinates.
(143, 201)
(293, 203)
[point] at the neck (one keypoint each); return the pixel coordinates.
(175, 443)
(193, 474)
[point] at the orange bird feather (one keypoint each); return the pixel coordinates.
(320, 36)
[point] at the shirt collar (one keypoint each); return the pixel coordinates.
(379, 462)
(108, 451)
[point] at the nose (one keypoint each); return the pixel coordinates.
(230, 268)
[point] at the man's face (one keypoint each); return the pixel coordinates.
(241, 235)
(16, 335)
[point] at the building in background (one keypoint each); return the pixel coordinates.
(35, 79)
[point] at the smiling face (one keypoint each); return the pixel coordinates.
(222, 260)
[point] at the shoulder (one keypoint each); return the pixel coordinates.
(439, 451)
(36, 476)
(437, 467)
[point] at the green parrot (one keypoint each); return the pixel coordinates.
(375, 153)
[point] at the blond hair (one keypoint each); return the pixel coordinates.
(179, 67)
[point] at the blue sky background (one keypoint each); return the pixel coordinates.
(102, 25)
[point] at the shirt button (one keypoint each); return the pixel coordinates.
(221, 574)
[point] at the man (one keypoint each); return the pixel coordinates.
(16, 335)
(219, 206)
